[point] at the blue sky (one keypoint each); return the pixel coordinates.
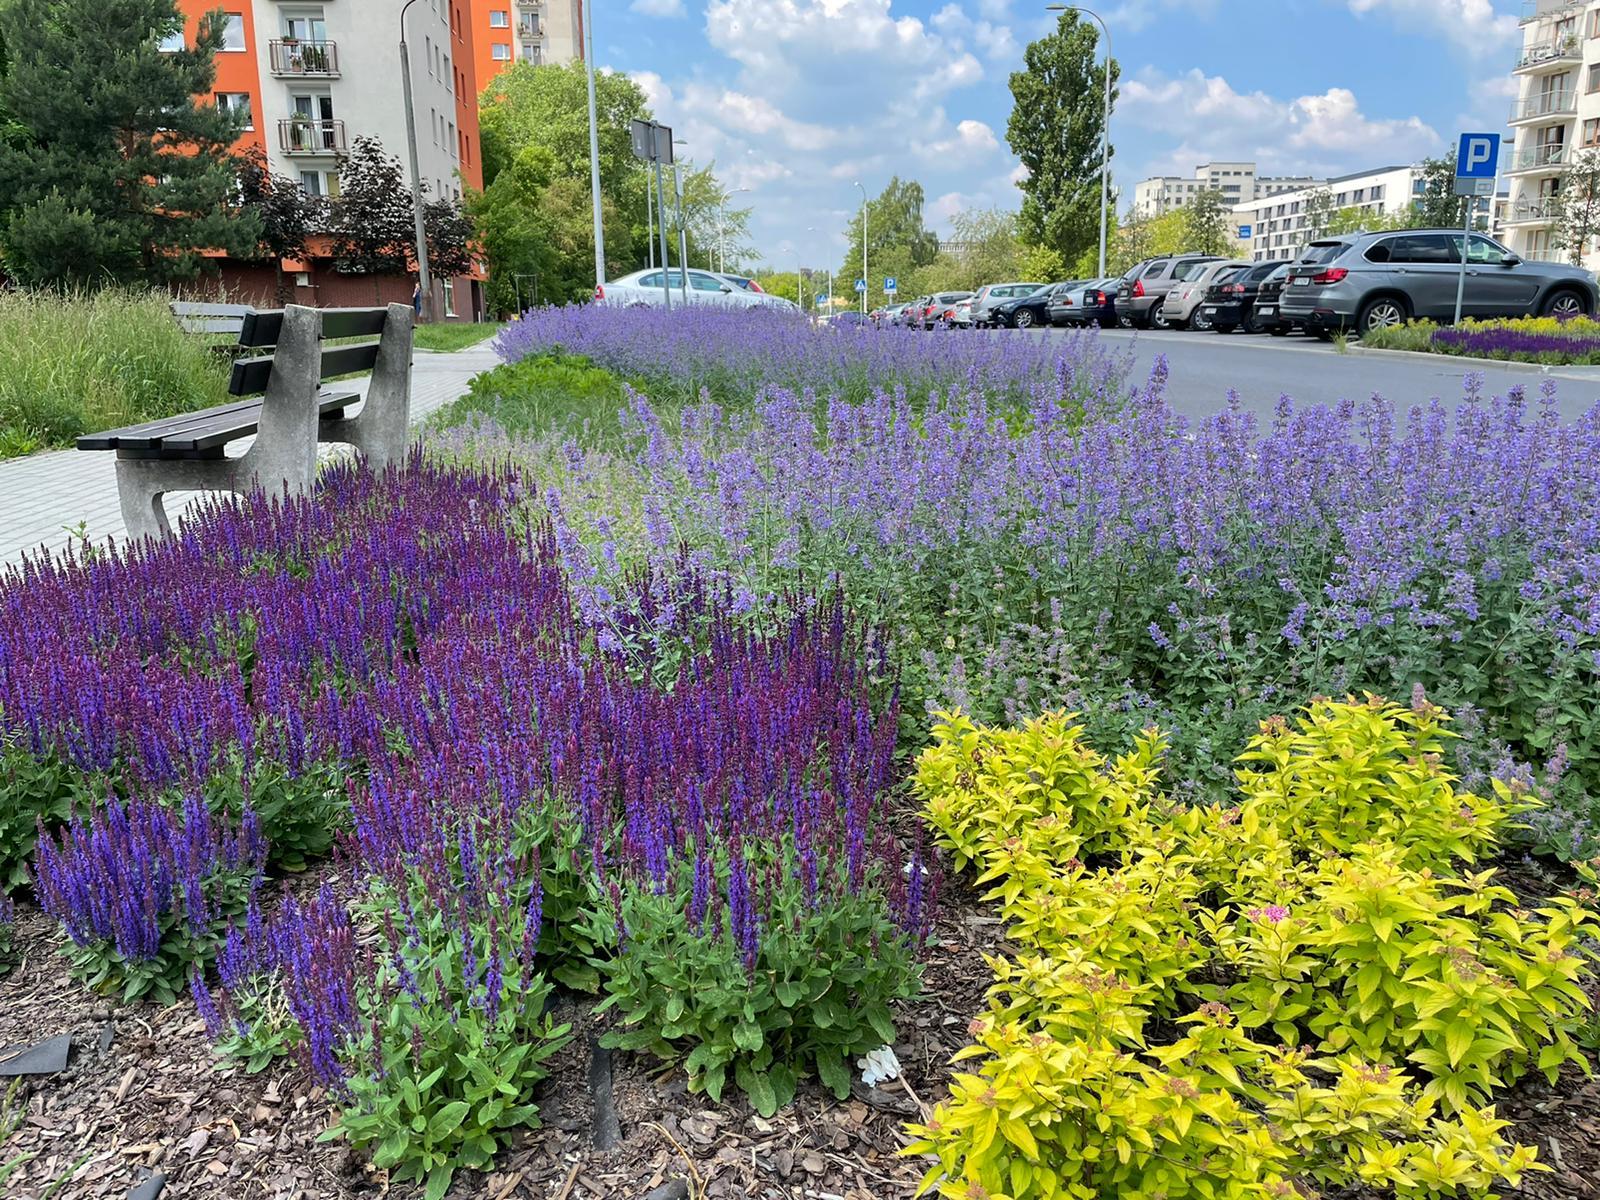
(797, 99)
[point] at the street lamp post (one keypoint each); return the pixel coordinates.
(864, 284)
(1105, 124)
(683, 231)
(594, 146)
(424, 283)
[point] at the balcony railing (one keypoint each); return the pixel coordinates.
(1544, 56)
(528, 27)
(311, 137)
(1533, 10)
(1539, 158)
(1531, 212)
(1545, 104)
(291, 57)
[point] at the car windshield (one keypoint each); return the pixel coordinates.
(1318, 253)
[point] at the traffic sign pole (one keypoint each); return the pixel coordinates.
(1461, 276)
(1477, 165)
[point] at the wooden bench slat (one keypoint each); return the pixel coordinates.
(210, 324)
(239, 416)
(251, 375)
(113, 439)
(263, 328)
(215, 436)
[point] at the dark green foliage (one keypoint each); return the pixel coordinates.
(1055, 129)
(574, 933)
(33, 791)
(110, 169)
(819, 994)
(300, 814)
(288, 216)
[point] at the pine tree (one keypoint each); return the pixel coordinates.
(111, 170)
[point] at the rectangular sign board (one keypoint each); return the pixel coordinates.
(652, 141)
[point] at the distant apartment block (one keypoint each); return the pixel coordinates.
(1237, 181)
(1556, 114)
(531, 31)
(1280, 224)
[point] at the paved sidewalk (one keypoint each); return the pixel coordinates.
(44, 497)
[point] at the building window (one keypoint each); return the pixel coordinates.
(236, 102)
(302, 279)
(447, 73)
(1594, 23)
(172, 43)
(1594, 78)
(500, 52)
(233, 32)
(311, 182)
(500, 18)
(449, 297)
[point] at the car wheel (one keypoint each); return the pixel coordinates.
(1564, 305)
(1324, 335)
(1253, 324)
(1124, 320)
(1158, 319)
(1385, 312)
(1229, 328)
(1199, 321)
(1279, 331)
(1025, 319)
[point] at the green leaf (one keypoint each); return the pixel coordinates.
(747, 1036)
(834, 1071)
(439, 1181)
(448, 1119)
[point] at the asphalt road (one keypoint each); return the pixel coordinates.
(1203, 366)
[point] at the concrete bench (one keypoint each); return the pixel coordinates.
(292, 414)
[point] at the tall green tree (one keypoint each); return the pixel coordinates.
(1437, 204)
(286, 214)
(897, 240)
(984, 242)
(112, 170)
(1205, 223)
(1056, 121)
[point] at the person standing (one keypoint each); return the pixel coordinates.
(416, 299)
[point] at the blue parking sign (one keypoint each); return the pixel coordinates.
(1478, 156)
(891, 285)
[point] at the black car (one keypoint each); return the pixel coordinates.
(1092, 302)
(1264, 314)
(1230, 300)
(1025, 312)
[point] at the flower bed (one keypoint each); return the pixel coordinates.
(1546, 340)
(1314, 989)
(1144, 569)
(395, 664)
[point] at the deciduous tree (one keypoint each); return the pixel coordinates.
(1055, 129)
(1205, 223)
(1575, 208)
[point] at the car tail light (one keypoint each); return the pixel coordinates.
(1138, 287)
(1329, 275)
(1236, 288)
(1067, 302)
(599, 291)
(1099, 298)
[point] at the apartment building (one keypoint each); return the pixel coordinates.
(1237, 181)
(531, 31)
(1280, 224)
(312, 77)
(1556, 114)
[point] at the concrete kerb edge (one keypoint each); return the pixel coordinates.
(1495, 364)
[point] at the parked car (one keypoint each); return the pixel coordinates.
(941, 308)
(914, 312)
(1230, 300)
(991, 294)
(963, 314)
(1088, 302)
(1363, 281)
(1141, 292)
(705, 287)
(850, 318)
(1265, 315)
(1024, 312)
(1182, 307)
(743, 281)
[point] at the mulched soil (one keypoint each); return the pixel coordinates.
(142, 1094)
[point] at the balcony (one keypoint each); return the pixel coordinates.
(1548, 160)
(1545, 106)
(1535, 10)
(1538, 211)
(1544, 57)
(311, 137)
(294, 59)
(528, 27)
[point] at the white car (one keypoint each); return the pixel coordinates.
(645, 287)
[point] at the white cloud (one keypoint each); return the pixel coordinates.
(993, 37)
(657, 8)
(1473, 25)
(968, 141)
(1322, 134)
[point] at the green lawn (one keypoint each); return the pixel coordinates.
(455, 335)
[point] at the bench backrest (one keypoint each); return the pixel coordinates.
(210, 318)
(262, 329)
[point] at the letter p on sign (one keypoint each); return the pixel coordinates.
(1476, 158)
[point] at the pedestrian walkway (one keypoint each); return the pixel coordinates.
(47, 499)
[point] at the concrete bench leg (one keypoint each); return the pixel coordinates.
(140, 492)
(381, 431)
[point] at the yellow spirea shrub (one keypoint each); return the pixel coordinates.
(1311, 989)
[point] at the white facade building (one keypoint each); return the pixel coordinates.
(1555, 115)
(1237, 181)
(1280, 225)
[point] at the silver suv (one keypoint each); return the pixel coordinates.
(991, 294)
(1362, 281)
(1143, 290)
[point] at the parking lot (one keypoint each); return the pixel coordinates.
(1204, 366)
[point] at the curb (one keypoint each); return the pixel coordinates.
(1497, 364)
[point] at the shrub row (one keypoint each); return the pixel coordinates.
(1314, 988)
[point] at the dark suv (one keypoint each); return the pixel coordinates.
(1141, 292)
(1362, 281)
